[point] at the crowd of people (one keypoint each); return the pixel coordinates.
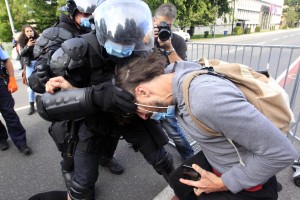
(117, 76)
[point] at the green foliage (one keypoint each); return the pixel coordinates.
(201, 36)
(285, 27)
(247, 31)
(206, 34)
(292, 13)
(191, 13)
(39, 13)
(238, 30)
(291, 17)
(43, 13)
(257, 29)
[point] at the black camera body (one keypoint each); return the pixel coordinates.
(164, 31)
(31, 37)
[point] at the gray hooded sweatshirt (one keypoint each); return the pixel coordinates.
(220, 105)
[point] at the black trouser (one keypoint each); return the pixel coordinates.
(185, 192)
(88, 153)
(137, 132)
(14, 127)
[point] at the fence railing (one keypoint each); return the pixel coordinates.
(282, 62)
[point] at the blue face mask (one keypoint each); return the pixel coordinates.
(164, 115)
(160, 115)
(85, 23)
(118, 50)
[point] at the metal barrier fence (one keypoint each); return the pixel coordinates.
(282, 62)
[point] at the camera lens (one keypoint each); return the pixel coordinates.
(164, 34)
(164, 31)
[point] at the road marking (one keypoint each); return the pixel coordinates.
(22, 108)
(293, 69)
(260, 43)
(275, 39)
(285, 36)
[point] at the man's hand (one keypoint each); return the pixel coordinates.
(57, 83)
(113, 99)
(12, 85)
(208, 183)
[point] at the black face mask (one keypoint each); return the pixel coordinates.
(84, 30)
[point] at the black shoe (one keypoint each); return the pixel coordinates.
(25, 150)
(113, 165)
(31, 110)
(279, 187)
(4, 145)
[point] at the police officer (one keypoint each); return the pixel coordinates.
(88, 63)
(15, 129)
(70, 26)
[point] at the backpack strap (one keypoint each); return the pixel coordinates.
(185, 89)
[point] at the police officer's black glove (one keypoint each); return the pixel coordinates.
(43, 73)
(110, 98)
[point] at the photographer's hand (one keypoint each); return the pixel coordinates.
(208, 183)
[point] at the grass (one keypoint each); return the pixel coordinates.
(208, 37)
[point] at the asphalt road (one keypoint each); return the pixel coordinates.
(23, 176)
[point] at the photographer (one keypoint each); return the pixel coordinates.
(174, 48)
(169, 44)
(27, 41)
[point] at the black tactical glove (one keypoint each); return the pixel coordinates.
(112, 99)
(35, 84)
(43, 73)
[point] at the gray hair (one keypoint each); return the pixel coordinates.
(166, 10)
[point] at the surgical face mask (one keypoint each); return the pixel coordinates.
(85, 23)
(118, 50)
(170, 113)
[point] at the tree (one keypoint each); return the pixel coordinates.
(291, 17)
(292, 13)
(194, 12)
(40, 13)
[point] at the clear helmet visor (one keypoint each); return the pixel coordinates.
(87, 6)
(126, 23)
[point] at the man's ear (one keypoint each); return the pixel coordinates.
(142, 92)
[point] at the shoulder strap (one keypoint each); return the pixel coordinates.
(185, 89)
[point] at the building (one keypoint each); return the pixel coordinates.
(263, 13)
(266, 14)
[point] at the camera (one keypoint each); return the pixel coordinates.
(189, 173)
(31, 37)
(164, 31)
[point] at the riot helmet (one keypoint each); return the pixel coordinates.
(84, 6)
(124, 26)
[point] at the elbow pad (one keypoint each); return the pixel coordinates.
(66, 104)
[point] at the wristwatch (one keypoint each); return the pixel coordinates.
(167, 53)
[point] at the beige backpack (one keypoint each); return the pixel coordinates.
(261, 91)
